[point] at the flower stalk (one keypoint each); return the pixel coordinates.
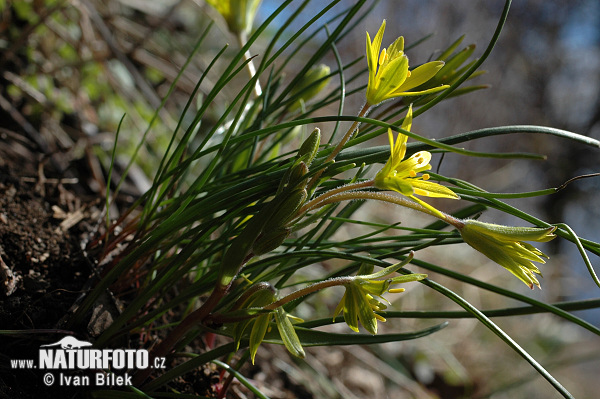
(392, 199)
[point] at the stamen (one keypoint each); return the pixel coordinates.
(412, 173)
(396, 290)
(426, 176)
(382, 57)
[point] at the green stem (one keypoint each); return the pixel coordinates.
(363, 112)
(496, 330)
(586, 260)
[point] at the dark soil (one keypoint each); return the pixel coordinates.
(43, 227)
(46, 224)
(44, 266)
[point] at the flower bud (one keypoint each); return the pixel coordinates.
(310, 85)
(239, 14)
(297, 174)
(310, 147)
(270, 240)
(286, 208)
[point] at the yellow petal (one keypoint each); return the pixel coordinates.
(378, 38)
(430, 189)
(407, 123)
(382, 57)
(371, 61)
(388, 79)
(351, 307)
(373, 52)
(223, 7)
(399, 149)
(396, 49)
(421, 92)
(421, 75)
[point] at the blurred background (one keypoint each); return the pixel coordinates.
(71, 69)
(544, 70)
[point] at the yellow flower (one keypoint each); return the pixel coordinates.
(401, 175)
(239, 14)
(360, 302)
(389, 76)
(504, 245)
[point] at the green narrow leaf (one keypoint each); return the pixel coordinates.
(309, 337)
(496, 330)
(243, 380)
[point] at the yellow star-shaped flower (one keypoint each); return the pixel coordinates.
(389, 76)
(401, 175)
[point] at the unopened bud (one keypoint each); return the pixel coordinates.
(310, 85)
(270, 240)
(310, 147)
(297, 175)
(239, 14)
(286, 209)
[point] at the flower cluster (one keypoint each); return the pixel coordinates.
(504, 245)
(360, 301)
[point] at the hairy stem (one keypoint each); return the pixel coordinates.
(310, 289)
(316, 202)
(393, 199)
